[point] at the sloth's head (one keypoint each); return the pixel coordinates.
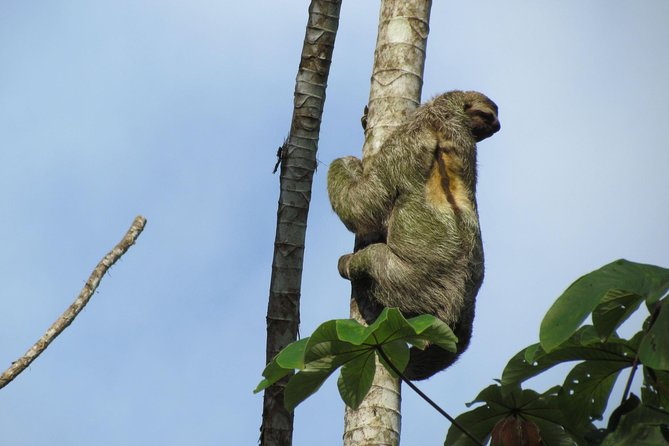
(482, 113)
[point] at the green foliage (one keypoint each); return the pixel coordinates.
(354, 347)
(610, 295)
(654, 349)
(581, 346)
(506, 413)
(643, 426)
(616, 284)
(499, 403)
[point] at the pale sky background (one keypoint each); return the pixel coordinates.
(174, 110)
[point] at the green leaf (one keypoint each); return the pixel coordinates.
(583, 345)
(393, 327)
(616, 306)
(418, 342)
(655, 390)
(531, 352)
(325, 350)
(302, 385)
(283, 364)
(292, 356)
(389, 326)
(554, 434)
(641, 427)
(625, 407)
(499, 403)
(654, 349)
(422, 322)
(356, 379)
(398, 354)
(273, 373)
(346, 343)
(586, 390)
(479, 421)
(436, 332)
(544, 410)
(584, 295)
(352, 331)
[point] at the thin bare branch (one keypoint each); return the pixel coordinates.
(80, 302)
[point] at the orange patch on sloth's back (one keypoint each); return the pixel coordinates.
(444, 187)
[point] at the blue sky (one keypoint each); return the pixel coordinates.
(174, 110)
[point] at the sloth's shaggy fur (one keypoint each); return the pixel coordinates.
(418, 191)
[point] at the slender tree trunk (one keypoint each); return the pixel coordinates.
(397, 80)
(298, 162)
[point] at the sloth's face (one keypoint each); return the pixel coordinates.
(482, 113)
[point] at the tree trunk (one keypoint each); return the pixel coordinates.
(397, 80)
(298, 162)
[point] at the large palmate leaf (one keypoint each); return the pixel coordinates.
(526, 406)
(354, 347)
(586, 390)
(302, 385)
(583, 297)
(584, 345)
(644, 426)
(288, 359)
(356, 379)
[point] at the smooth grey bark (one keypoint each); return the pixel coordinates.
(298, 163)
(396, 84)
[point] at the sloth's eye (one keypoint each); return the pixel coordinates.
(486, 116)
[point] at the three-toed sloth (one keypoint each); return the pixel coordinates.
(418, 191)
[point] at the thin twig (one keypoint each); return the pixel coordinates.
(630, 378)
(427, 398)
(80, 302)
(653, 317)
